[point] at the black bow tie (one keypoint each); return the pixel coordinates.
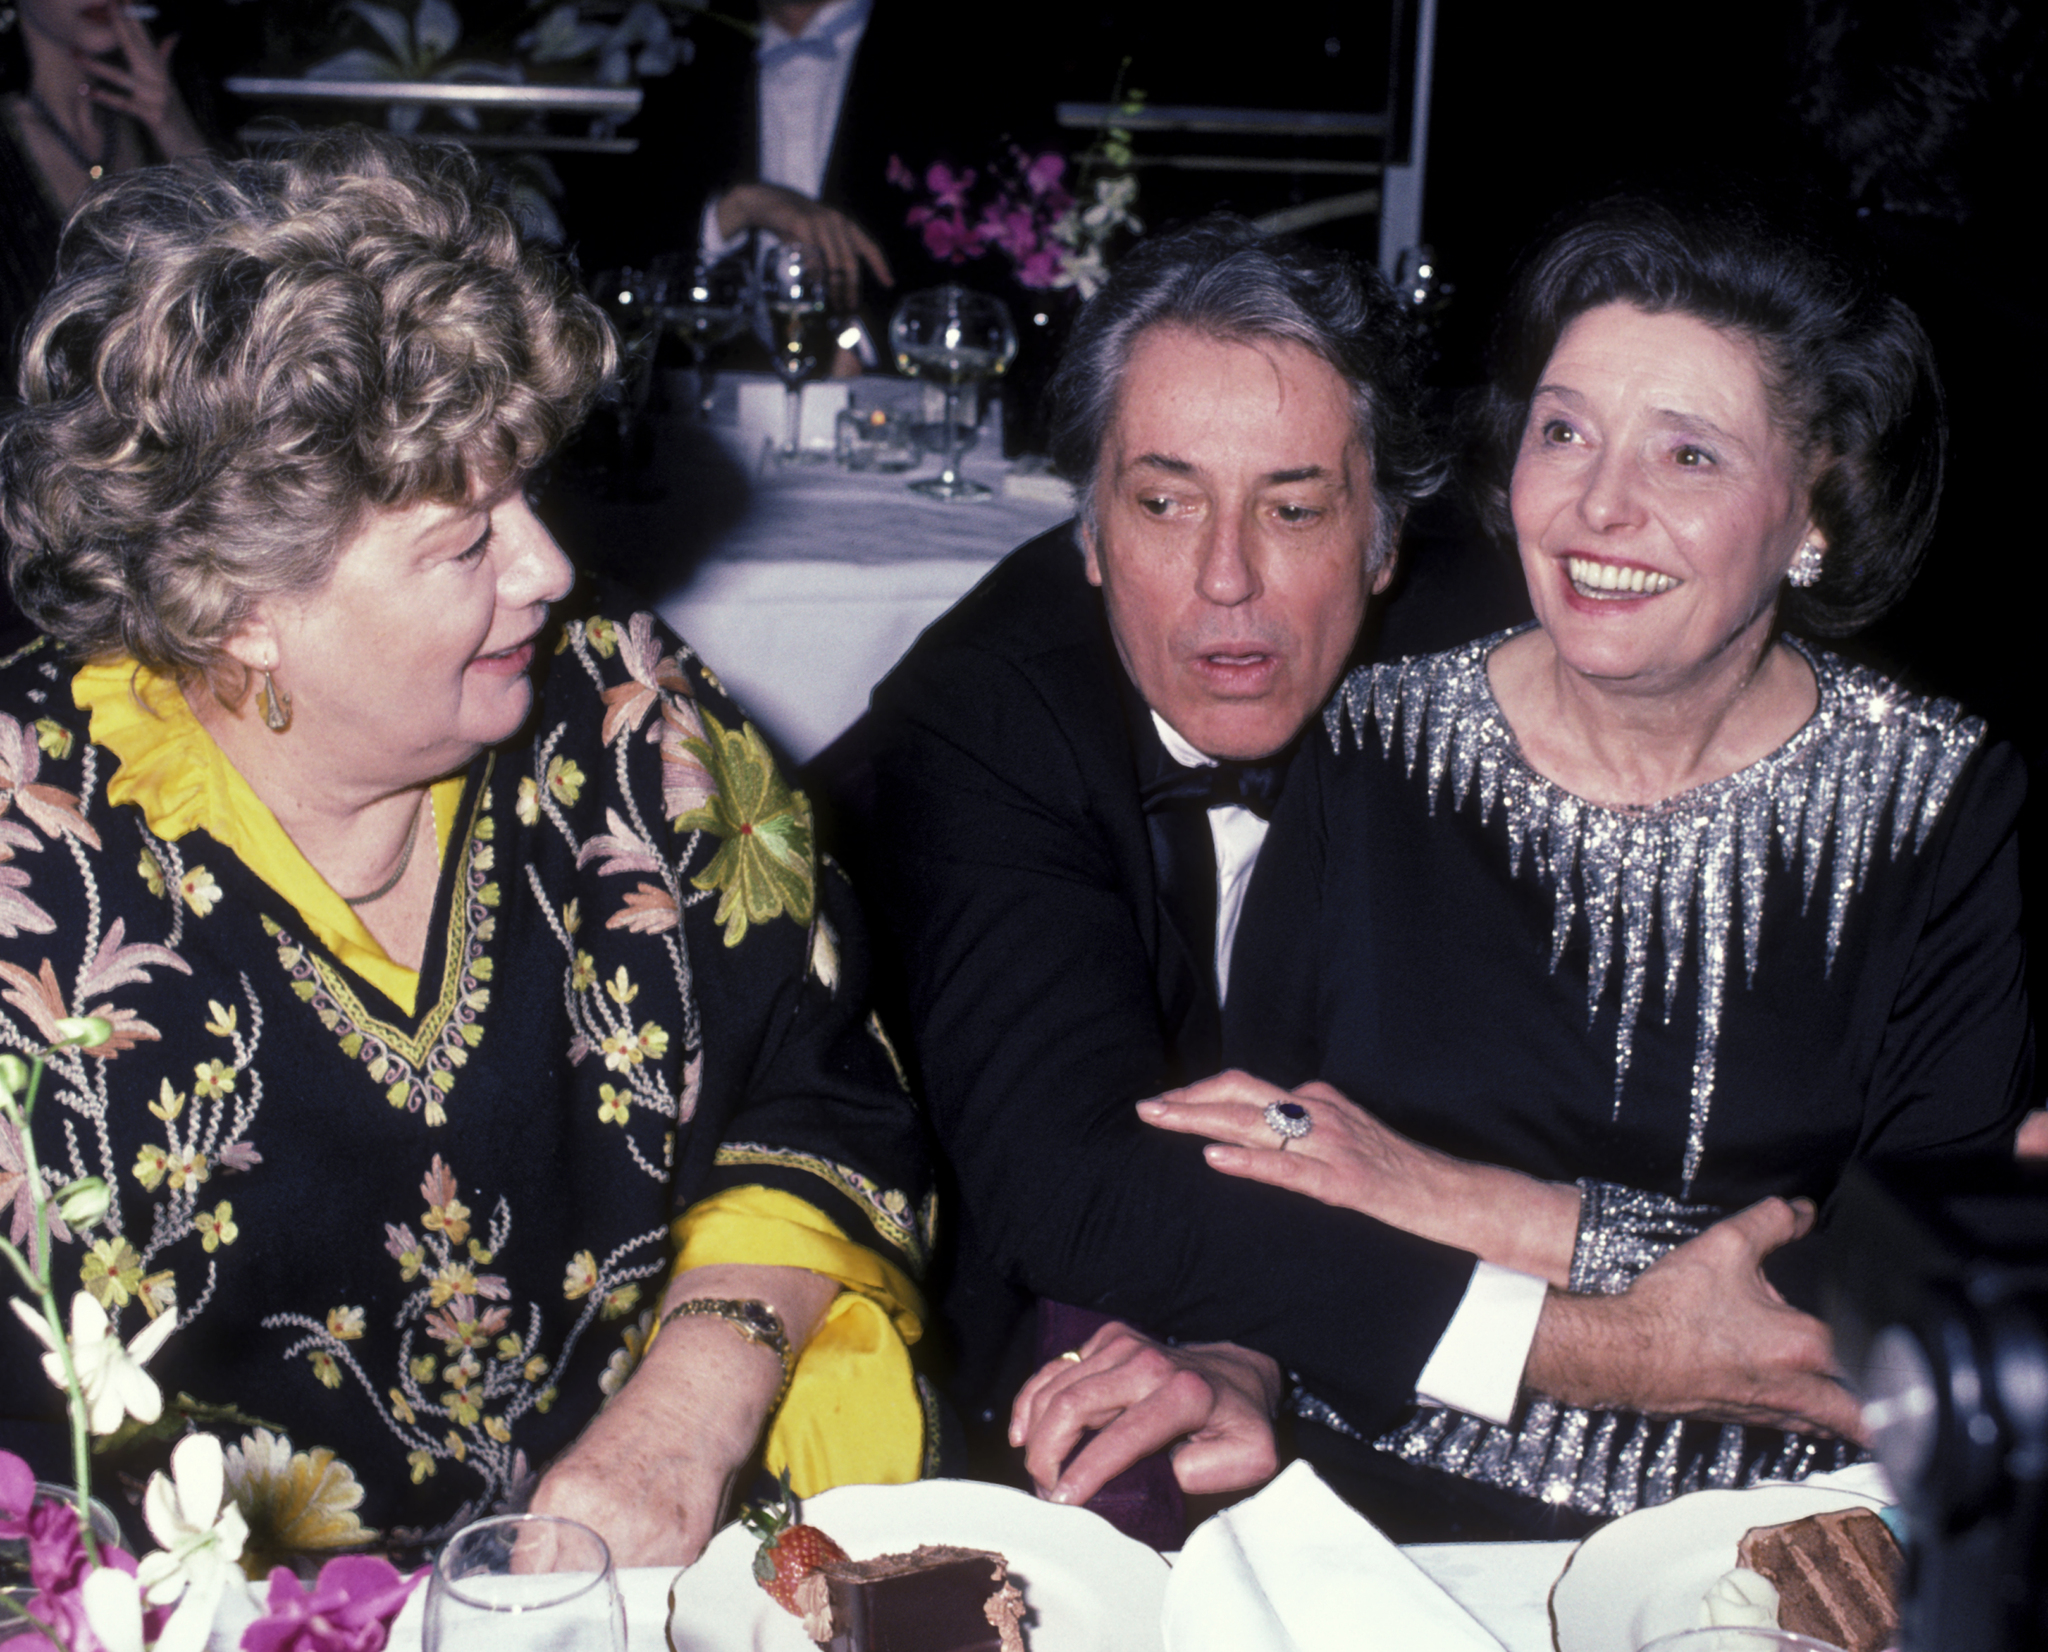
(1245, 785)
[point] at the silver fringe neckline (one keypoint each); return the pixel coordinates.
(1694, 864)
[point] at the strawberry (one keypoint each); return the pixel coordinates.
(789, 1552)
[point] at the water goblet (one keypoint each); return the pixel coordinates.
(703, 311)
(534, 1582)
(795, 288)
(17, 1587)
(632, 298)
(953, 337)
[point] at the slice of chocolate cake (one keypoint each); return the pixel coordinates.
(1837, 1577)
(934, 1599)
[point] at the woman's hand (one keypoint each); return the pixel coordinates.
(1351, 1160)
(136, 82)
(655, 1468)
(1216, 1400)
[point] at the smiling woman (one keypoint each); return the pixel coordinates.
(1630, 927)
(480, 1008)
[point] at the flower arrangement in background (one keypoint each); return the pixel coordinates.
(1053, 236)
(86, 1595)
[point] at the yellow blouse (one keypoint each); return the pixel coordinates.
(853, 1411)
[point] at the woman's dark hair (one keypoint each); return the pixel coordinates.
(1224, 277)
(1849, 371)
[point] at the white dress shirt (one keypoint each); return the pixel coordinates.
(1477, 1363)
(801, 94)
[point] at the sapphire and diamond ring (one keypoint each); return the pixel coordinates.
(1288, 1120)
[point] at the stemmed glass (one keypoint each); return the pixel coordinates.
(631, 297)
(703, 311)
(955, 337)
(794, 293)
(536, 1581)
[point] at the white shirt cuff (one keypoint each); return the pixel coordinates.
(710, 244)
(1476, 1366)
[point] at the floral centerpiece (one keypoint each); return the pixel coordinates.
(1053, 238)
(88, 1596)
(1057, 237)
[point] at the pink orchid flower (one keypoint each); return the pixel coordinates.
(1009, 226)
(348, 1609)
(950, 239)
(1045, 173)
(949, 188)
(1042, 268)
(899, 174)
(57, 1567)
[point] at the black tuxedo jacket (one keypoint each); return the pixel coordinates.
(1017, 879)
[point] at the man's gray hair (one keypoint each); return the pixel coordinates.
(1224, 277)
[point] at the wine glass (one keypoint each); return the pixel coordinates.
(536, 1581)
(795, 288)
(954, 337)
(631, 297)
(703, 311)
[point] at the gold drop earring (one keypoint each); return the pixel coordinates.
(277, 707)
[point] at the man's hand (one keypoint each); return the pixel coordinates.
(1351, 1160)
(1215, 1399)
(1701, 1333)
(793, 217)
(653, 1471)
(2032, 1142)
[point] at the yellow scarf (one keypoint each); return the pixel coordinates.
(172, 771)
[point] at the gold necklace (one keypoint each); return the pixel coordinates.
(412, 836)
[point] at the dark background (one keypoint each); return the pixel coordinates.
(1921, 129)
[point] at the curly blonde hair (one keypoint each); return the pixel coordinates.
(239, 361)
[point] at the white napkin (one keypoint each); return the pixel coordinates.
(1296, 1569)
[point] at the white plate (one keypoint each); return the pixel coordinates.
(1087, 1587)
(1648, 1573)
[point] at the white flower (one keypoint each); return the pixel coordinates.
(201, 1540)
(113, 1606)
(110, 1376)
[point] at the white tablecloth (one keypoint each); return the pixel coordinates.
(806, 600)
(1506, 1586)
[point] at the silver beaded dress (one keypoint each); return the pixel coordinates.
(1683, 1008)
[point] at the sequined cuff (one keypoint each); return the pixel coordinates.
(1622, 1230)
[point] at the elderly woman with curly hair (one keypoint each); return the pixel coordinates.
(480, 1007)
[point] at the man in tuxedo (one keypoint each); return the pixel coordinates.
(1073, 774)
(789, 130)
(1064, 857)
